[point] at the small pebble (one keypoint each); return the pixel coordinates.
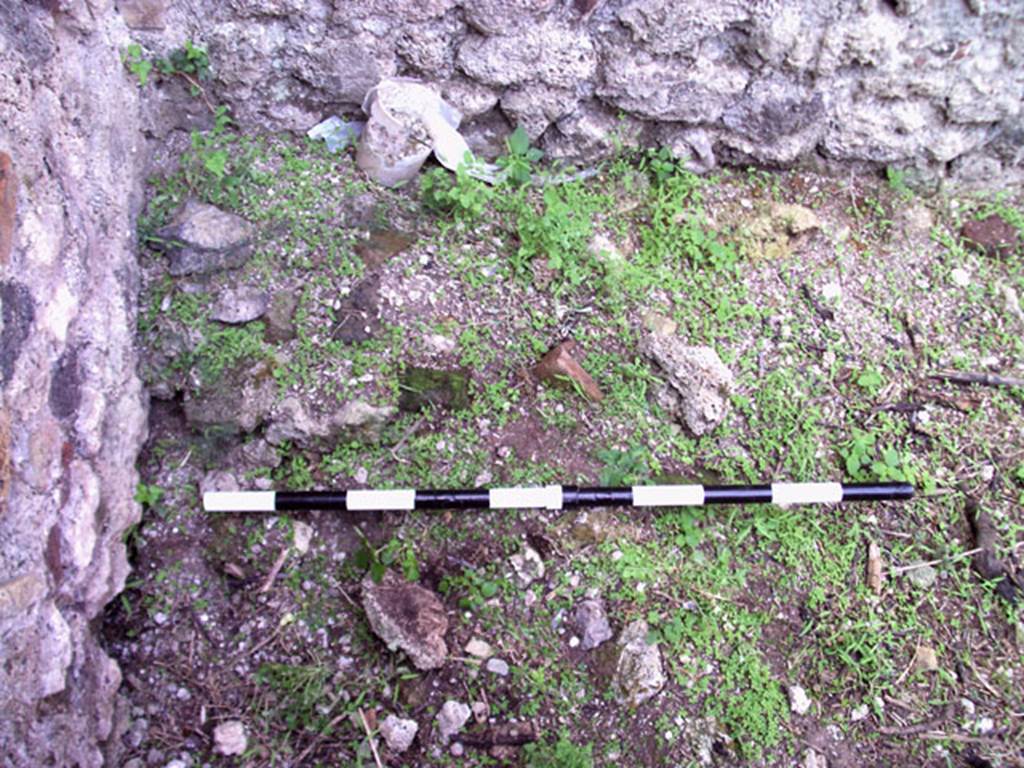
(498, 667)
(479, 648)
(457, 749)
(859, 713)
(960, 277)
(831, 291)
(984, 725)
(799, 702)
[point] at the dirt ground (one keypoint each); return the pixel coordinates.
(844, 308)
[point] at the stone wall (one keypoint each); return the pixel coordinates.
(73, 415)
(932, 87)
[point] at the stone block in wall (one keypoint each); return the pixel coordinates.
(499, 17)
(660, 88)
(552, 52)
(671, 27)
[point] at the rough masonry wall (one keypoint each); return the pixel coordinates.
(935, 87)
(73, 416)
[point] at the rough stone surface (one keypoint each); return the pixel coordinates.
(479, 648)
(293, 422)
(240, 305)
(932, 88)
(229, 738)
(527, 565)
(73, 408)
(799, 702)
(398, 732)
(202, 238)
(638, 673)
(451, 718)
(407, 617)
(699, 384)
(591, 622)
(498, 667)
(240, 401)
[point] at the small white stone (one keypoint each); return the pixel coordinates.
(398, 732)
(361, 475)
(984, 725)
(498, 667)
(968, 706)
(574, 641)
(831, 291)
(987, 473)
(302, 535)
(960, 277)
(482, 479)
(799, 702)
(451, 718)
(859, 713)
(160, 618)
(479, 648)
(229, 738)
(458, 750)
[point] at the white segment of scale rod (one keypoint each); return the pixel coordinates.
(240, 501)
(380, 501)
(668, 495)
(785, 494)
(547, 497)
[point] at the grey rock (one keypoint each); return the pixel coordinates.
(470, 98)
(497, 667)
(659, 89)
(479, 648)
(280, 323)
(398, 732)
(536, 107)
(923, 576)
(699, 384)
(229, 738)
(19, 594)
(527, 565)
(202, 238)
(407, 617)
(669, 27)
(494, 17)
(143, 14)
(550, 52)
(451, 718)
(776, 119)
(638, 673)
(240, 305)
(591, 623)
(356, 419)
(799, 702)
(239, 402)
